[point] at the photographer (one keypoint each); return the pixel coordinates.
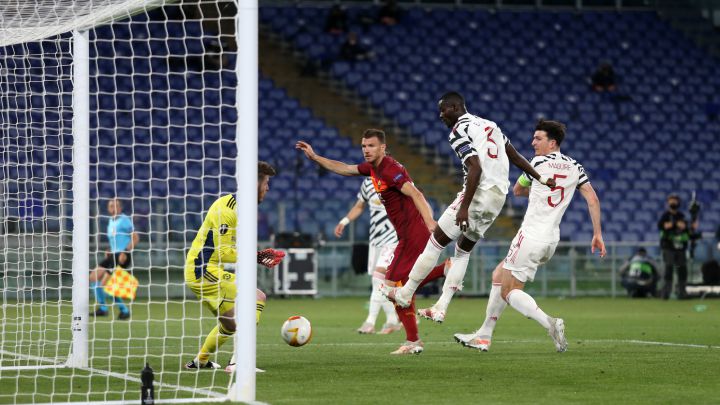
(675, 234)
(639, 275)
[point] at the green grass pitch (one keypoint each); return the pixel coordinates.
(616, 355)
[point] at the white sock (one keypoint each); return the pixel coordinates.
(376, 300)
(422, 267)
(495, 306)
(388, 307)
(453, 278)
(526, 305)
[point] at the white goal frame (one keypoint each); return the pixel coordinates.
(243, 386)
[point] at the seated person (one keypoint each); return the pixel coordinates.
(604, 78)
(336, 21)
(639, 275)
(351, 50)
(389, 13)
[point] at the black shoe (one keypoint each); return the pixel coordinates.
(99, 312)
(124, 315)
(191, 365)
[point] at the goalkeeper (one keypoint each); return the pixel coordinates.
(214, 247)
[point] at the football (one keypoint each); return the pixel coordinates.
(296, 331)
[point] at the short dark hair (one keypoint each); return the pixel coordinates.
(454, 97)
(555, 130)
(374, 133)
(265, 169)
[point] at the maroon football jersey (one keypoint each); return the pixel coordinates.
(388, 179)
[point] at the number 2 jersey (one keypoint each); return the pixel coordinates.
(546, 206)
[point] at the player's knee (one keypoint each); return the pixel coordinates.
(227, 324)
(466, 244)
(260, 296)
(440, 237)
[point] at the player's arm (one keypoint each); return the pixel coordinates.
(593, 202)
(352, 215)
(522, 186)
(421, 204)
(521, 163)
(198, 244)
(471, 184)
(334, 166)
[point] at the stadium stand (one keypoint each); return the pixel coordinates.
(651, 137)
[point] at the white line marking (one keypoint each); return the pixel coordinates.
(209, 393)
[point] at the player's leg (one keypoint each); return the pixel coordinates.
(438, 271)
(482, 338)
(385, 258)
(413, 344)
(260, 299)
(220, 299)
(445, 232)
(398, 270)
(456, 273)
(368, 327)
(520, 266)
(483, 211)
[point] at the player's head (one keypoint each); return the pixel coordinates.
(452, 107)
(265, 171)
(548, 137)
(373, 145)
(114, 207)
(642, 252)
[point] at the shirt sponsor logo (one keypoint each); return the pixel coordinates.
(223, 229)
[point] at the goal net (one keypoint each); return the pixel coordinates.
(118, 118)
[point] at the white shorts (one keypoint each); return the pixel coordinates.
(526, 255)
(380, 256)
(484, 208)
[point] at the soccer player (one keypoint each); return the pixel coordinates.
(212, 249)
(485, 154)
(122, 239)
(407, 209)
(538, 236)
(383, 240)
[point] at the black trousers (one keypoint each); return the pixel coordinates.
(674, 259)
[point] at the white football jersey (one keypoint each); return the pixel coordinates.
(546, 206)
(382, 232)
(475, 136)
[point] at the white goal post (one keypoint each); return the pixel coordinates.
(152, 103)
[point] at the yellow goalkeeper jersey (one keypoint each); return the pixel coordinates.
(214, 243)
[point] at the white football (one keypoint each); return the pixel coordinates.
(296, 331)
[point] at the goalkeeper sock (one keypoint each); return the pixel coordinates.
(259, 307)
(216, 338)
(121, 305)
(99, 295)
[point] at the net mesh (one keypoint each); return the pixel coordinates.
(162, 141)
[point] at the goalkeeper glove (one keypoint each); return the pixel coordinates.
(270, 257)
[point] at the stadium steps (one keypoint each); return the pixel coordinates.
(285, 67)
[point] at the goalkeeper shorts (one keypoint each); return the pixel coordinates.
(216, 289)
